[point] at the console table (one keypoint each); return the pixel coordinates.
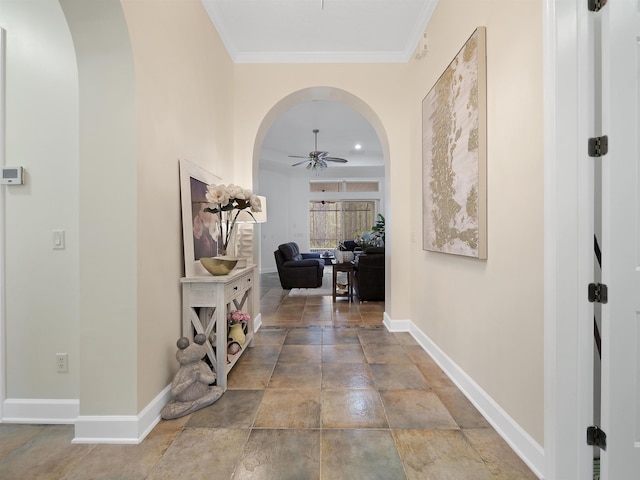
(206, 300)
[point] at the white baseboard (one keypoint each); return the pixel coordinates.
(41, 411)
(520, 441)
(121, 429)
(257, 322)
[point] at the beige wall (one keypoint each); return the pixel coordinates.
(488, 315)
(184, 94)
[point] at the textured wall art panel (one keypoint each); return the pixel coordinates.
(454, 136)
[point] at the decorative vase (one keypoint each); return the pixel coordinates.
(218, 265)
(236, 333)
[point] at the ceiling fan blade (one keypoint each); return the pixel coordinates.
(300, 163)
(299, 156)
(320, 154)
(334, 159)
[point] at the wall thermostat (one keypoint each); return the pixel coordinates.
(11, 175)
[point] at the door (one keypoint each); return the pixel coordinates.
(621, 241)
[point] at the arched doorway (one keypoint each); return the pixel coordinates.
(292, 224)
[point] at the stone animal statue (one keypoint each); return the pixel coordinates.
(192, 387)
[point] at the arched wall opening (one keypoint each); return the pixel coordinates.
(334, 95)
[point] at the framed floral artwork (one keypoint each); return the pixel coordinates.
(454, 155)
(199, 228)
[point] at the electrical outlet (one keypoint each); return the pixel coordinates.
(62, 362)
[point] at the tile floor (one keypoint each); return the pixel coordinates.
(325, 393)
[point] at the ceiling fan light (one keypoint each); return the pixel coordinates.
(317, 158)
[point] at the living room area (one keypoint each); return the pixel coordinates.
(333, 213)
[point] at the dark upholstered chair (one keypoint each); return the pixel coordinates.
(369, 274)
(298, 270)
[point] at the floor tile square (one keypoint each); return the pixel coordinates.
(296, 376)
(435, 377)
(352, 409)
(304, 336)
(193, 455)
(289, 409)
(300, 354)
(249, 376)
(269, 336)
(501, 460)
(360, 454)
(280, 454)
(383, 353)
(343, 354)
(50, 454)
(353, 376)
(235, 409)
(340, 336)
(378, 337)
(261, 354)
(439, 454)
(398, 376)
(416, 409)
(461, 409)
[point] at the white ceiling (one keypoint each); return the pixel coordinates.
(317, 31)
(341, 127)
(321, 31)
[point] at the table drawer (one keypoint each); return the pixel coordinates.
(238, 286)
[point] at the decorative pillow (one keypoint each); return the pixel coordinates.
(343, 256)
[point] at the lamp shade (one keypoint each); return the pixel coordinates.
(258, 217)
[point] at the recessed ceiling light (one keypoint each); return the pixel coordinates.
(358, 146)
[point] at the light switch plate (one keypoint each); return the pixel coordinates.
(58, 239)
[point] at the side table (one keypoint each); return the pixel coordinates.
(206, 300)
(346, 267)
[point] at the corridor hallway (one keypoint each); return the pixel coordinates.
(325, 393)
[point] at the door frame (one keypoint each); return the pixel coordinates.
(3, 331)
(568, 239)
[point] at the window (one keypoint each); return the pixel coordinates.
(362, 186)
(325, 186)
(344, 186)
(331, 222)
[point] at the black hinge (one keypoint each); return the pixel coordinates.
(596, 437)
(596, 5)
(598, 293)
(598, 146)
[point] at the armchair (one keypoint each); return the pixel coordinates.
(369, 274)
(298, 270)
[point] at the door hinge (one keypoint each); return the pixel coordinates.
(598, 146)
(596, 437)
(598, 293)
(596, 5)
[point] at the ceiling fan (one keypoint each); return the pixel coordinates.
(317, 160)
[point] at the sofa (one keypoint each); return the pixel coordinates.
(349, 246)
(298, 270)
(369, 274)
